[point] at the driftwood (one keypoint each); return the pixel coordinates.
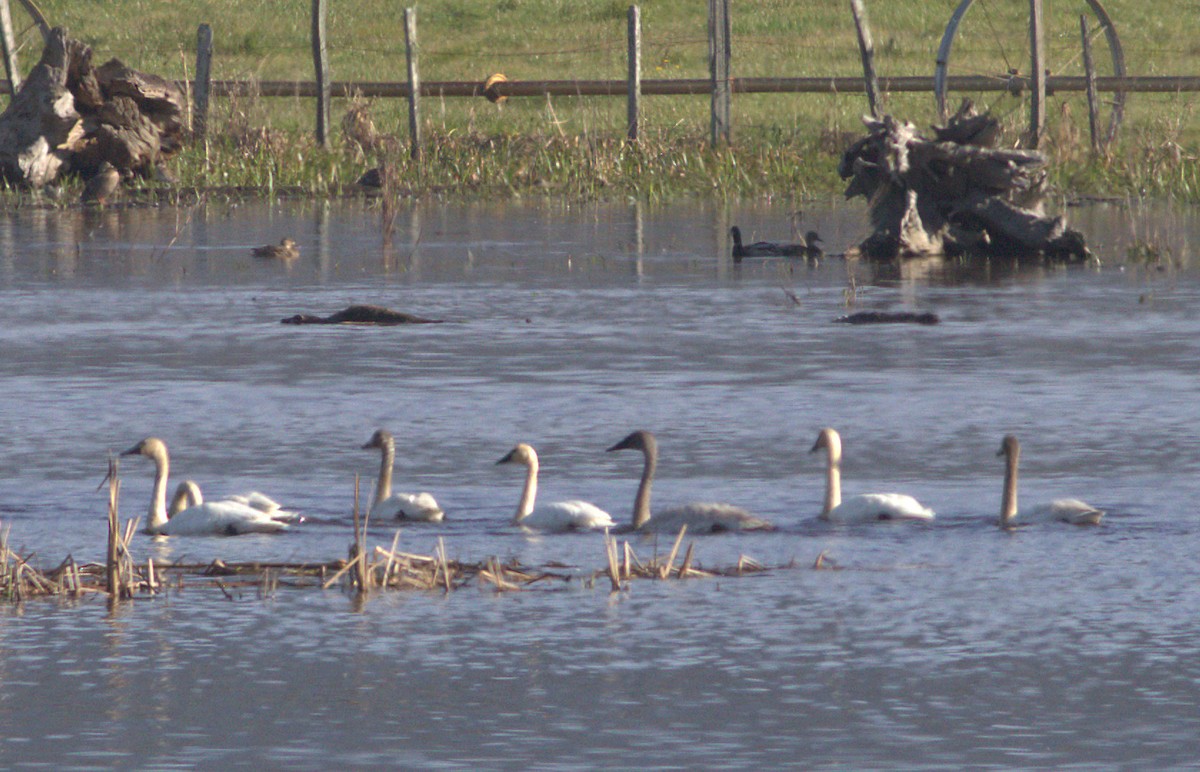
(376, 315)
(889, 317)
(953, 194)
(72, 117)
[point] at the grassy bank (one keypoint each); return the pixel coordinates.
(785, 146)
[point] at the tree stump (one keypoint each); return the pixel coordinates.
(956, 193)
(71, 117)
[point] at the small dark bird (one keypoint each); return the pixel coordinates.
(286, 249)
(103, 184)
(806, 248)
(377, 315)
(372, 178)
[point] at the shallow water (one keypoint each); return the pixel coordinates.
(567, 327)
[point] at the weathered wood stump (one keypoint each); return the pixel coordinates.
(953, 194)
(69, 116)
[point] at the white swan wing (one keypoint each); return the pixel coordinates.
(706, 517)
(409, 506)
(265, 504)
(871, 507)
(221, 518)
(1071, 511)
(573, 515)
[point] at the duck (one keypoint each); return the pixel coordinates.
(417, 507)
(806, 248)
(556, 516)
(286, 249)
(864, 507)
(102, 185)
(699, 517)
(220, 518)
(187, 494)
(1071, 511)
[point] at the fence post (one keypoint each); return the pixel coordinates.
(718, 64)
(634, 87)
(203, 84)
(10, 47)
(867, 49)
(1093, 100)
(321, 62)
(1037, 66)
(414, 83)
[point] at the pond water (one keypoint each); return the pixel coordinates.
(944, 645)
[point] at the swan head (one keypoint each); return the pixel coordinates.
(1009, 447)
(380, 439)
(151, 447)
(187, 495)
(830, 440)
(520, 454)
(640, 440)
(736, 232)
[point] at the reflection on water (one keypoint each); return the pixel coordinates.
(950, 645)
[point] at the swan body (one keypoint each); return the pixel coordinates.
(806, 248)
(557, 516)
(418, 507)
(865, 507)
(187, 494)
(196, 517)
(699, 517)
(1071, 511)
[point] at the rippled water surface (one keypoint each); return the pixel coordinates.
(939, 646)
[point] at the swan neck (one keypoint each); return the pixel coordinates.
(641, 502)
(529, 494)
(1008, 503)
(387, 457)
(833, 482)
(157, 516)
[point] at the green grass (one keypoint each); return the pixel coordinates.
(784, 145)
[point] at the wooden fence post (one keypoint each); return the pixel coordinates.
(414, 83)
(634, 87)
(321, 62)
(867, 49)
(203, 84)
(719, 29)
(1037, 66)
(1093, 100)
(9, 43)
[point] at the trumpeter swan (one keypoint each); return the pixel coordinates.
(865, 507)
(187, 494)
(227, 518)
(419, 507)
(571, 515)
(1071, 511)
(699, 517)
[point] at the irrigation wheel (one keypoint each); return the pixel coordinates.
(995, 45)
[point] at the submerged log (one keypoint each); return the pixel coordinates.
(70, 116)
(376, 315)
(953, 194)
(889, 317)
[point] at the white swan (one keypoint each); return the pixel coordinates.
(398, 506)
(865, 507)
(227, 518)
(571, 515)
(187, 494)
(699, 517)
(1071, 511)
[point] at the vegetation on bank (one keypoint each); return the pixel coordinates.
(784, 146)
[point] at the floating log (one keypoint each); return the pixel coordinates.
(889, 317)
(376, 315)
(69, 116)
(956, 193)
